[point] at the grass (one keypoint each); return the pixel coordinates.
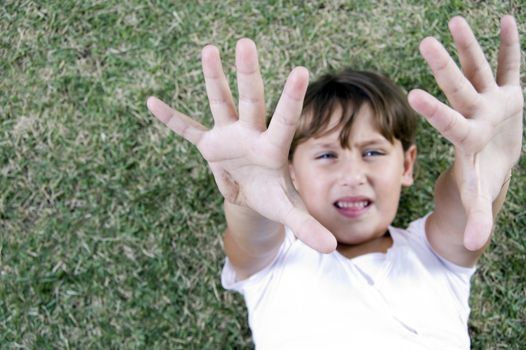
(110, 226)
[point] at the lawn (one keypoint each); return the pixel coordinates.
(111, 225)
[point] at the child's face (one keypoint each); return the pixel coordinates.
(354, 191)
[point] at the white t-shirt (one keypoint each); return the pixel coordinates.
(407, 298)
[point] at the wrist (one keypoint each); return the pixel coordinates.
(234, 209)
(251, 231)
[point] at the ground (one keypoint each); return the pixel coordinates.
(110, 226)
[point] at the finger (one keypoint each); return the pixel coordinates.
(288, 110)
(508, 70)
(310, 231)
(458, 90)
(250, 85)
(479, 224)
(178, 122)
(474, 64)
(449, 123)
(219, 95)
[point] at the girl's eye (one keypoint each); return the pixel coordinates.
(372, 153)
(326, 155)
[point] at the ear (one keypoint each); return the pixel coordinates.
(409, 164)
(292, 173)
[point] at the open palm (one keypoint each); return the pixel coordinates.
(249, 161)
(483, 121)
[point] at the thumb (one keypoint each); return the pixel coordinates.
(310, 231)
(479, 224)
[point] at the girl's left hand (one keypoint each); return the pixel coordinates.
(483, 121)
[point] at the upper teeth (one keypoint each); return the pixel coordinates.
(361, 204)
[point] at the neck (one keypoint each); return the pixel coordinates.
(377, 245)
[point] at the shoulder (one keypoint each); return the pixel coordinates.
(415, 263)
(233, 280)
(415, 240)
(295, 262)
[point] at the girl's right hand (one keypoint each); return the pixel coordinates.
(249, 161)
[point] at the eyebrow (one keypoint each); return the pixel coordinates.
(326, 144)
(373, 142)
(364, 143)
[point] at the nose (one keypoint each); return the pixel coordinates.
(352, 173)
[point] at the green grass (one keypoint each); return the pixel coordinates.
(110, 226)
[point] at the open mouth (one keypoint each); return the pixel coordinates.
(352, 205)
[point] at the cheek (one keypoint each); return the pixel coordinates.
(388, 182)
(310, 186)
(387, 193)
(308, 178)
(313, 190)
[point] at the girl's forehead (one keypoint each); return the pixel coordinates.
(363, 126)
(361, 139)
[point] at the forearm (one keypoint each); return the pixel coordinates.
(250, 240)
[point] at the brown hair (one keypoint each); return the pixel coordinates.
(349, 90)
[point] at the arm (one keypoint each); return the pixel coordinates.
(251, 241)
(249, 161)
(484, 123)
